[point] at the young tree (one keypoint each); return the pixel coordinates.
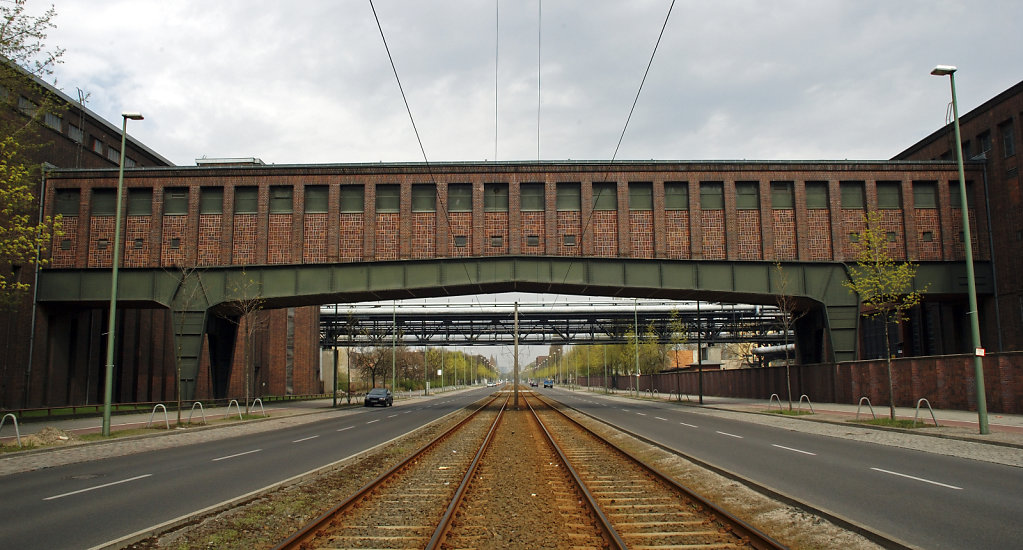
(678, 336)
(790, 313)
(885, 287)
(246, 300)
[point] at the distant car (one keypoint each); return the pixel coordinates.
(533, 383)
(548, 383)
(379, 396)
(491, 384)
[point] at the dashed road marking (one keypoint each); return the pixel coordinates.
(794, 450)
(54, 497)
(918, 479)
(236, 455)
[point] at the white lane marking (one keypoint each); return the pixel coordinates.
(730, 435)
(237, 455)
(392, 416)
(305, 439)
(54, 497)
(794, 450)
(659, 418)
(690, 425)
(918, 479)
(348, 428)
(372, 421)
(641, 414)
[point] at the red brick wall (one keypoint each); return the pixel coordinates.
(314, 244)
(496, 225)
(210, 237)
(424, 235)
(279, 239)
(174, 227)
(245, 239)
(605, 233)
(136, 227)
(461, 226)
(750, 243)
(101, 227)
(927, 221)
(677, 234)
(387, 236)
(351, 236)
(641, 233)
(784, 228)
(532, 223)
(713, 234)
(66, 258)
(569, 223)
(818, 238)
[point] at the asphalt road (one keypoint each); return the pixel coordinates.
(924, 499)
(87, 504)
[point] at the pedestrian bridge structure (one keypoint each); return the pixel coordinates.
(199, 239)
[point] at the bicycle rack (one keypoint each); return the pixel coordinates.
(862, 399)
(235, 403)
(800, 408)
(165, 419)
(654, 393)
(922, 400)
(17, 432)
(771, 400)
(261, 409)
(201, 411)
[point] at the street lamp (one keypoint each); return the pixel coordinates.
(109, 382)
(974, 313)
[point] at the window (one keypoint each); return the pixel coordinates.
(388, 198)
(495, 197)
(854, 237)
(75, 133)
(927, 236)
(97, 146)
(460, 197)
(531, 197)
(569, 240)
(175, 243)
(605, 196)
(281, 199)
(569, 198)
(65, 244)
(102, 244)
(461, 241)
(712, 195)
(129, 162)
(641, 196)
(532, 240)
(138, 243)
(747, 195)
(316, 199)
(1005, 130)
(104, 202)
(211, 200)
(175, 201)
(925, 194)
(424, 197)
(889, 196)
(67, 201)
(53, 121)
(140, 202)
(353, 199)
(246, 200)
(816, 194)
(26, 106)
(985, 141)
(676, 195)
(852, 194)
(113, 154)
(496, 241)
(781, 195)
(890, 235)
(955, 199)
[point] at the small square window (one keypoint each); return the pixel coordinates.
(175, 243)
(137, 243)
(496, 240)
(75, 133)
(102, 244)
(97, 146)
(461, 241)
(962, 237)
(890, 236)
(1019, 235)
(532, 240)
(854, 237)
(927, 236)
(569, 240)
(65, 244)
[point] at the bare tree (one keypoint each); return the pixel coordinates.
(790, 313)
(246, 300)
(184, 297)
(885, 288)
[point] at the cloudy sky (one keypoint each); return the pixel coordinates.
(310, 81)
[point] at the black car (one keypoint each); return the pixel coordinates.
(379, 396)
(533, 383)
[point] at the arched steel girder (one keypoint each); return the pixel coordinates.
(194, 294)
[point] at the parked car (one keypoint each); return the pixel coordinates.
(379, 396)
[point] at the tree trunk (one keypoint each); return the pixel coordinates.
(888, 363)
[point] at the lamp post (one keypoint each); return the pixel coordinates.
(974, 313)
(108, 389)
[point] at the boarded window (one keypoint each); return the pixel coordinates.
(353, 199)
(495, 197)
(852, 194)
(531, 197)
(281, 199)
(641, 196)
(424, 197)
(781, 195)
(925, 194)
(175, 201)
(816, 194)
(605, 196)
(712, 195)
(569, 198)
(954, 197)
(889, 195)
(676, 195)
(246, 200)
(67, 201)
(460, 197)
(388, 198)
(316, 199)
(104, 202)
(211, 200)
(747, 195)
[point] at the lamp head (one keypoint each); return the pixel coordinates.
(132, 116)
(943, 70)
